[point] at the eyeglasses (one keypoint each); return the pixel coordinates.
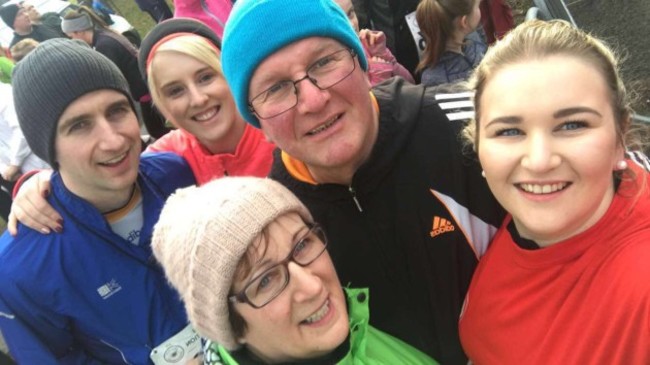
(324, 73)
(265, 287)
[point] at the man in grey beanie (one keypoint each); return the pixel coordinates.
(383, 169)
(90, 293)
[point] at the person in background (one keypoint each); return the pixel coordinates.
(180, 59)
(213, 13)
(450, 53)
(6, 66)
(15, 156)
(389, 17)
(257, 281)
(382, 65)
(17, 19)
(90, 293)
(496, 19)
(88, 27)
(51, 19)
(158, 10)
(22, 48)
(565, 280)
(382, 170)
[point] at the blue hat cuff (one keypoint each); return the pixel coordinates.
(258, 28)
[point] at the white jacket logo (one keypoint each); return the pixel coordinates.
(108, 289)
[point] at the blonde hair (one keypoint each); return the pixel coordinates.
(535, 40)
(191, 45)
(22, 48)
(436, 21)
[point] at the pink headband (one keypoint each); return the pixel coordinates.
(170, 37)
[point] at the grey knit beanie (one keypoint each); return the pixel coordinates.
(202, 234)
(50, 78)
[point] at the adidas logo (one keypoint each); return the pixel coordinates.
(440, 226)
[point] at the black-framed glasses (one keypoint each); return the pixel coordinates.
(265, 287)
(324, 73)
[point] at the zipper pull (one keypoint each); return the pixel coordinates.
(354, 197)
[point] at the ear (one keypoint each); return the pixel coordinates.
(366, 77)
(462, 23)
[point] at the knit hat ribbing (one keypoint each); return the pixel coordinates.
(50, 78)
(80, 23)
(171, 26)
(201, 236)
(258, 28)
(8, 14)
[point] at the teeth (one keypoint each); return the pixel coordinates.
(323, 127)
(319, 314)
(205, 116)
(116, 159)
(543, 189)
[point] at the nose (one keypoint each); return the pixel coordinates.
(305, 285)
(197, 96)
(110, 135)
(539, 154)
(310, 97)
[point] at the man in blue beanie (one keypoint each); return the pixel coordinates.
(91, 293)
(383, 169)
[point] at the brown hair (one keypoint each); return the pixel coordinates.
(255, 253)
(22, 48)
(436, 21)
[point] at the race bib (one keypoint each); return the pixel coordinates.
(415, 32)
(177, 350)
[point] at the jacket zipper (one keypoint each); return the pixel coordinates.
(354, 197)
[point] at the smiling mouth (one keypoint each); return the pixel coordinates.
(206, 115)
(319, 314)
(541, 189)
(324, 126)
(116, 160)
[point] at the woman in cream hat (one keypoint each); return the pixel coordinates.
(257, 282)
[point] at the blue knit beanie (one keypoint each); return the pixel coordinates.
(258, 28)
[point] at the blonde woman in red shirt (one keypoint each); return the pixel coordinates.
(566, 278)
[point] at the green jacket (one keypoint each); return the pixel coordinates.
(368, 346)
(6, 68)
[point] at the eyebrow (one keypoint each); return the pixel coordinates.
(562, 113)
(203, 69)
(319, 50)
(265, 262)
(65, 123)
(510, 120)
(575, 110)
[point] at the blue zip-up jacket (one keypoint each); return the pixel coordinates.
(87, 295)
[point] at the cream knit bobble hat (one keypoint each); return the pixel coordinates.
(202, 234)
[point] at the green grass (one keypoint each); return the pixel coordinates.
(139, 19)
